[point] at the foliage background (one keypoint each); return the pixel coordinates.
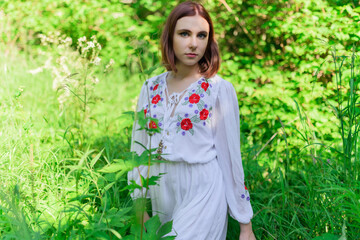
(276, 54)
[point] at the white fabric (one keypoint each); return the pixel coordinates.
(227, 145)
(193, 196)
(202, 144)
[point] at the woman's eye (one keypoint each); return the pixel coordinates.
(184, 34)
(202, 35)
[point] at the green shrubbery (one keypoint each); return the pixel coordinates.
(299, 122)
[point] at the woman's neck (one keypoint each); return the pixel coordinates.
(186, 72)
(181, 80)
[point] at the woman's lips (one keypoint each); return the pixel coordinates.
(191, 55)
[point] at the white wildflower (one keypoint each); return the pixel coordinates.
(64, 96)
(82, 39)
(118, 15)
(96, 61)
(90, 45)
(131, 28)
(64, 67)
(58, 13)
(48, 62)
(109, 65)
(36, 71)
(95, 80)
(68, 40)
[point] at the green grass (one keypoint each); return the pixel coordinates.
(58, 189)
(59, 193)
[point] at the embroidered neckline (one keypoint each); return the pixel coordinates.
(183, 91)
(192, 98)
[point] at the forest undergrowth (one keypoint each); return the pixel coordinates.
(64, 159)
(67, 105)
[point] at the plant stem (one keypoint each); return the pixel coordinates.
(85, 90)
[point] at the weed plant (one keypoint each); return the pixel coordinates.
(56, 192)
(55, 187)
(71, 184)
(317, 195)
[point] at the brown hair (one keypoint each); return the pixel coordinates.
(209, 64)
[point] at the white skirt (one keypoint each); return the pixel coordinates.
(193, 196)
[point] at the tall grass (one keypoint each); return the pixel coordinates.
(347, 110)
(53, 191)
(64, 187)
(56, 171)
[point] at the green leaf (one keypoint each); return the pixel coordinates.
(153, 179)
(165, 229)
(150, 70)
(191, 131)
(107, 187)
(193, 118)
(152, 226)
(96, 158)
(132, 186)
(112, 168)
(115, 233)
(200, 105)
(169, 237)
(196, 119)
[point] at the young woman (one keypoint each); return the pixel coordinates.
(198, 116)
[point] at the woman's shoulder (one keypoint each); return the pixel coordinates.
(153, 81)
(220, 83)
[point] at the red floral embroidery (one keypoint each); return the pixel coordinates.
(155, 87)
(204, 114)
(245, 188)
(205, 86)
(194, 98)
(186, 124)
(156, 99)
(145, 111)
(152, 125)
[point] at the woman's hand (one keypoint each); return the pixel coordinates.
(247, 236)
(145, 217)
(246, 232)
(141, 214)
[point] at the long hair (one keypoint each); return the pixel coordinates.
(209, 64)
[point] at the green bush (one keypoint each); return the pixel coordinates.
(276, 54)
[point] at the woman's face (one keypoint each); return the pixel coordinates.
(190, 39)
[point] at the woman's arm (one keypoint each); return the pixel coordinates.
(227, 145)
(246, 232)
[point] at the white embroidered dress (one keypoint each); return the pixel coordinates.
(204, 177)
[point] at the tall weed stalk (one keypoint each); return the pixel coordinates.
(347, 110)
(153, 228)
(75, 76)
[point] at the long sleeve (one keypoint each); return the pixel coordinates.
(142, 137)
(227, 144)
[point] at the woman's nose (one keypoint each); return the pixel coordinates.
(193, 42)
